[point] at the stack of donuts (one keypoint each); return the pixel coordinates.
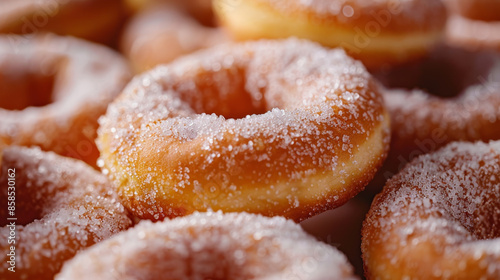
(250, 139)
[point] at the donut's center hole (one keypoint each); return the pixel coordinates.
(224, 93)
(23, 86)
(446, 72)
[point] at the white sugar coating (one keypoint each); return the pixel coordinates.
(62, 206)
(387, 14)
(211, 245)
(309, 110)
(449, 200)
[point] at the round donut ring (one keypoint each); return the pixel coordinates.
(95, 20)
(61, 206)
(423, 123)
(438, 218)
(378, 33)
(211, 246)
(164, 32)
(182, 137)
(62, 85)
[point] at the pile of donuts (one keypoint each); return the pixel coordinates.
(250, 139)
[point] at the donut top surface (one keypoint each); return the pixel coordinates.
(391, 15)
(263, 89)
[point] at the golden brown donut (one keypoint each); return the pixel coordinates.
(438, 218)
(96, 20)
(271, 127)
(456, 97)
(166, 31)
(376, 32)
(61, 206)
(211, 245)
(52, 91)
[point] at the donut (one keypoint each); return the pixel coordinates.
(376, 32)
(457, 98)
(438, 218)
(211, 245)
(166, 31)
(62, 85)
(471, 34)
(474, 24)
(95, 20)
(270, 127)
(61, 206)
(484, 10)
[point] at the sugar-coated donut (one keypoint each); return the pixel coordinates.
(466, 108)
(164, 32)
(52, 91)
(61, 206)
(182, 137)
(439, 218)
(211, 246)
(96, 20)
(376, 32)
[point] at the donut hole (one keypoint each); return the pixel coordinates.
(224, 93)
(27, 207)
(28, 84)
(447, 72)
